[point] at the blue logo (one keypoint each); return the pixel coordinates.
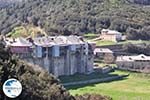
(12, 88)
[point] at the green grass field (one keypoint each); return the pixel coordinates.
(102, 43)
(90, 36)
(135, 87)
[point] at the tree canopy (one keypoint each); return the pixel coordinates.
(76, 16)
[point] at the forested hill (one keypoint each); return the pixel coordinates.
(78, 16)
(6, 3)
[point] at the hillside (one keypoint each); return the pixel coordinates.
(26, 31)
(79, 16)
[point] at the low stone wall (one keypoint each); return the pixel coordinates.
(106, 70)
(93, 81)
(112, 47)
(146, 71)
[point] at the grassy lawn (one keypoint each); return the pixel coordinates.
(90, 36)
(135, 87)
(102, 43)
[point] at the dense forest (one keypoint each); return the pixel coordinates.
(37, 84)
(130, 17)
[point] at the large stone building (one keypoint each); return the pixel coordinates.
(133, 62)
(110, 35)
(104, 54)
(60, 55)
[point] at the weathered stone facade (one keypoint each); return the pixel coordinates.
(61, 55)
(104, 54)
(139, 62)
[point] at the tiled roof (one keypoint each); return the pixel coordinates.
(133, 58)
(44, 41)
(110, 31)
(75, 40)
(57, 40)
(102, 50)
(17, 42)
